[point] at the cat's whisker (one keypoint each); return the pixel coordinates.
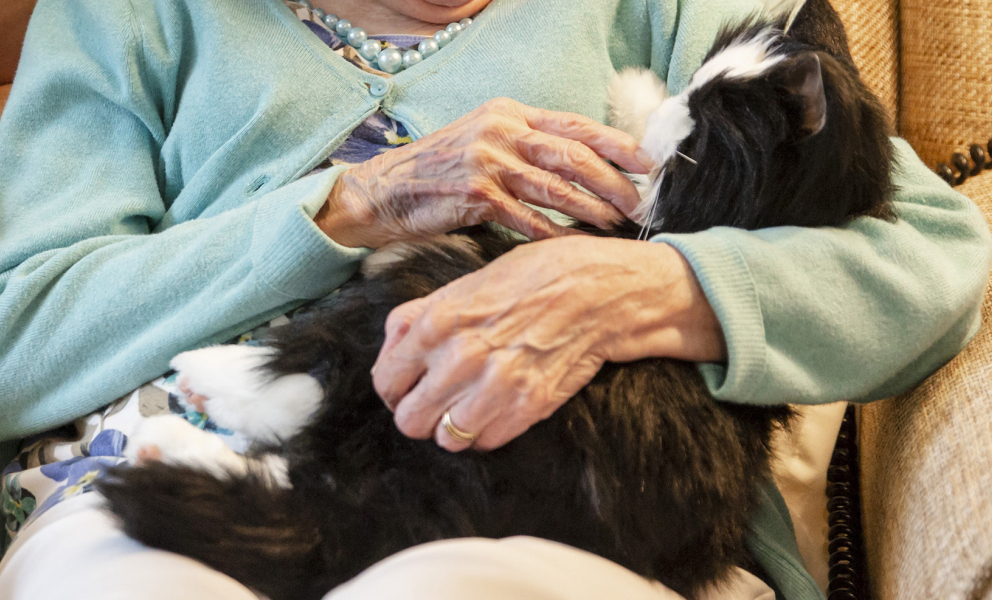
(646, 228)
(686, 157)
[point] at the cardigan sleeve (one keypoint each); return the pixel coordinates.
(94, 299)
(855, 313)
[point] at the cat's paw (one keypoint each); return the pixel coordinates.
(242, 396)
(172, 440)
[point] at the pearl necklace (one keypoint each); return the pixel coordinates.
(389, 60)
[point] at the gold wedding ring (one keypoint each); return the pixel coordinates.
(457, 434)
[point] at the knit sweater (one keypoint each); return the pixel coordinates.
(152, 198)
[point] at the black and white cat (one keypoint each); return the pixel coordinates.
(642, 466)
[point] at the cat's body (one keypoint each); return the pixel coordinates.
(642, 466)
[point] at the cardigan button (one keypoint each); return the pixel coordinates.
(379, 88)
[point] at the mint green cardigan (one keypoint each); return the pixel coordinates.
(152, 200)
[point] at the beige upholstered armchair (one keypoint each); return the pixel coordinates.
(927, 455)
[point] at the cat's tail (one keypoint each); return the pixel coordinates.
(238, 525)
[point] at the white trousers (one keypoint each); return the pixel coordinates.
(76, 552)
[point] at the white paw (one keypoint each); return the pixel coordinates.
(242, 397)
(172, 440)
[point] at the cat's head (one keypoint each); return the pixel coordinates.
(768, 132)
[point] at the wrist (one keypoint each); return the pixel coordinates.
(343, 218)
(669, 315)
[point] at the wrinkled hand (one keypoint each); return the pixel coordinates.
(476, 169)
(504, 347)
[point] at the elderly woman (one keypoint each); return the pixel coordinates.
(175, 173)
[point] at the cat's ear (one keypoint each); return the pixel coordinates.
(803, 77)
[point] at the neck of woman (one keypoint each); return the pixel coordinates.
(411, 17)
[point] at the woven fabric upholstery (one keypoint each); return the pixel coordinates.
(946, 76)
(927, 473)
(873, 34)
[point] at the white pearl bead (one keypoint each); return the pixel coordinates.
(390, 60)
(442, 38)
(427, 47)
(357, 37)
(370, 49)
(410, 58)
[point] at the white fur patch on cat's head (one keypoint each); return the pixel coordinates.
(671, 123)
(740, 60)
(634, 94)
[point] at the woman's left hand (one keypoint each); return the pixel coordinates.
(502, 348)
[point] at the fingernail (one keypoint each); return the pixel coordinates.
(645, 159)
(372, 371)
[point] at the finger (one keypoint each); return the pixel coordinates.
(520, 404)
(420, 411)
(397, 371)
(398, 367)
(398, 323)
(443, 436)
(448, 380)
(577, 162)
(509, 430)
(403, 363)
(526, 399)
(605, 141)
(512, 214)
(550, 190)
(500, 405)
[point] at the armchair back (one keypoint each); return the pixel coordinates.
(926, 456)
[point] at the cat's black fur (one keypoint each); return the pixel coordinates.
(758, 167)
(642, 466)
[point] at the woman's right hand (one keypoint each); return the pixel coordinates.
(477, 168)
